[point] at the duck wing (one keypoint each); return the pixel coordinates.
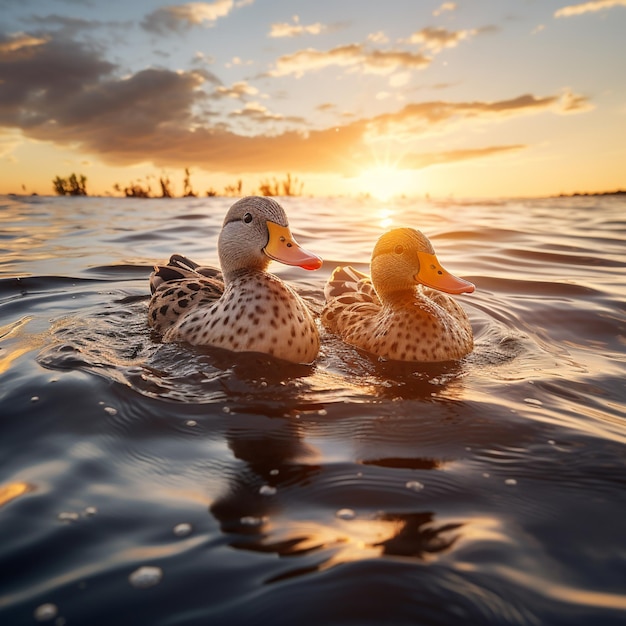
(179, 267)
(350, 299)
(350, 286)
(180, 286)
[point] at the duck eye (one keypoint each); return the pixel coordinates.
(399, 249)
(247, 218)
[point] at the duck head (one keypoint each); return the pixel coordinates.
(404, 257)
(256, 231)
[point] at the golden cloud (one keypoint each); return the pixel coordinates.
(350, 56)
(588, 7)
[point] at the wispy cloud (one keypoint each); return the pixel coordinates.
(284, 29)
(419, 161)
(588, 7)
(237, 90)
(354, 56)
(446, 6)
(436, 39)
(440, 116)
(178, 18)
(19, 43)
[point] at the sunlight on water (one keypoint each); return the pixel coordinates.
(484, 491)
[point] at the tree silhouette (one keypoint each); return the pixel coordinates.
(72, 186)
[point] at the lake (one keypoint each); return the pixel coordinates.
(160, 484)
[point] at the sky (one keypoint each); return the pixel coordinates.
(473, 98)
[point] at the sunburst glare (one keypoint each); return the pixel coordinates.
(385, 181)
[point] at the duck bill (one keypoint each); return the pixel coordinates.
(282, 247)
(432, 274)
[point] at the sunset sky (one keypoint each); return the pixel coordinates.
(473, 98)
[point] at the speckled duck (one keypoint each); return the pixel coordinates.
(400, 313)
(243, 307)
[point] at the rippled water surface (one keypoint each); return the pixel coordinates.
(152, 484)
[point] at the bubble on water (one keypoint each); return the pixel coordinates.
(191, 423)
(346, 514)
(267, 490)
(183, 529)
(322, 412)
(146, 576)
(510, 481)
(226, 409)
(414, 485)
(90, 511)
(110, 410)
(551, 442)
(68, 516)
(533, 401)
(35, 399)
(46, 612)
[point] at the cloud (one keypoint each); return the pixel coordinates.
(420, 161)
(237, 90)
(354, 56)
(378, 37)
(296, 29)
(18, 44)
(438, 116)
(588, 7)
(179, 18)
(64, 92)
(446, 6)
(436, 39)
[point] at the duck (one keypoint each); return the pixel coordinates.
(402, 312)
(239, 306)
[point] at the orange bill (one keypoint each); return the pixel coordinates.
(431, 274)
(282, 247)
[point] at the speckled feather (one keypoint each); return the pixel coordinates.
(416, 323)
(246, 309)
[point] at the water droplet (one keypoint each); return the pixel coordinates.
(533, 401)
(345, 514)
(46, 612)
(510, 481)
(183, 529)
(146, 576)
(35, 399)
(226, 409)
(267, 490)
(551, 442)
(191, 423)
(110, 410)
(414, 485)
(322, 412)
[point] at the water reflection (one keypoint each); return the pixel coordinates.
(283, 500)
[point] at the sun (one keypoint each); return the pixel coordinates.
(385, 181)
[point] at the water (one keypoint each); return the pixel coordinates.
(152, 484)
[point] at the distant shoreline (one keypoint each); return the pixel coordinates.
(576, 194)
(617, 192)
